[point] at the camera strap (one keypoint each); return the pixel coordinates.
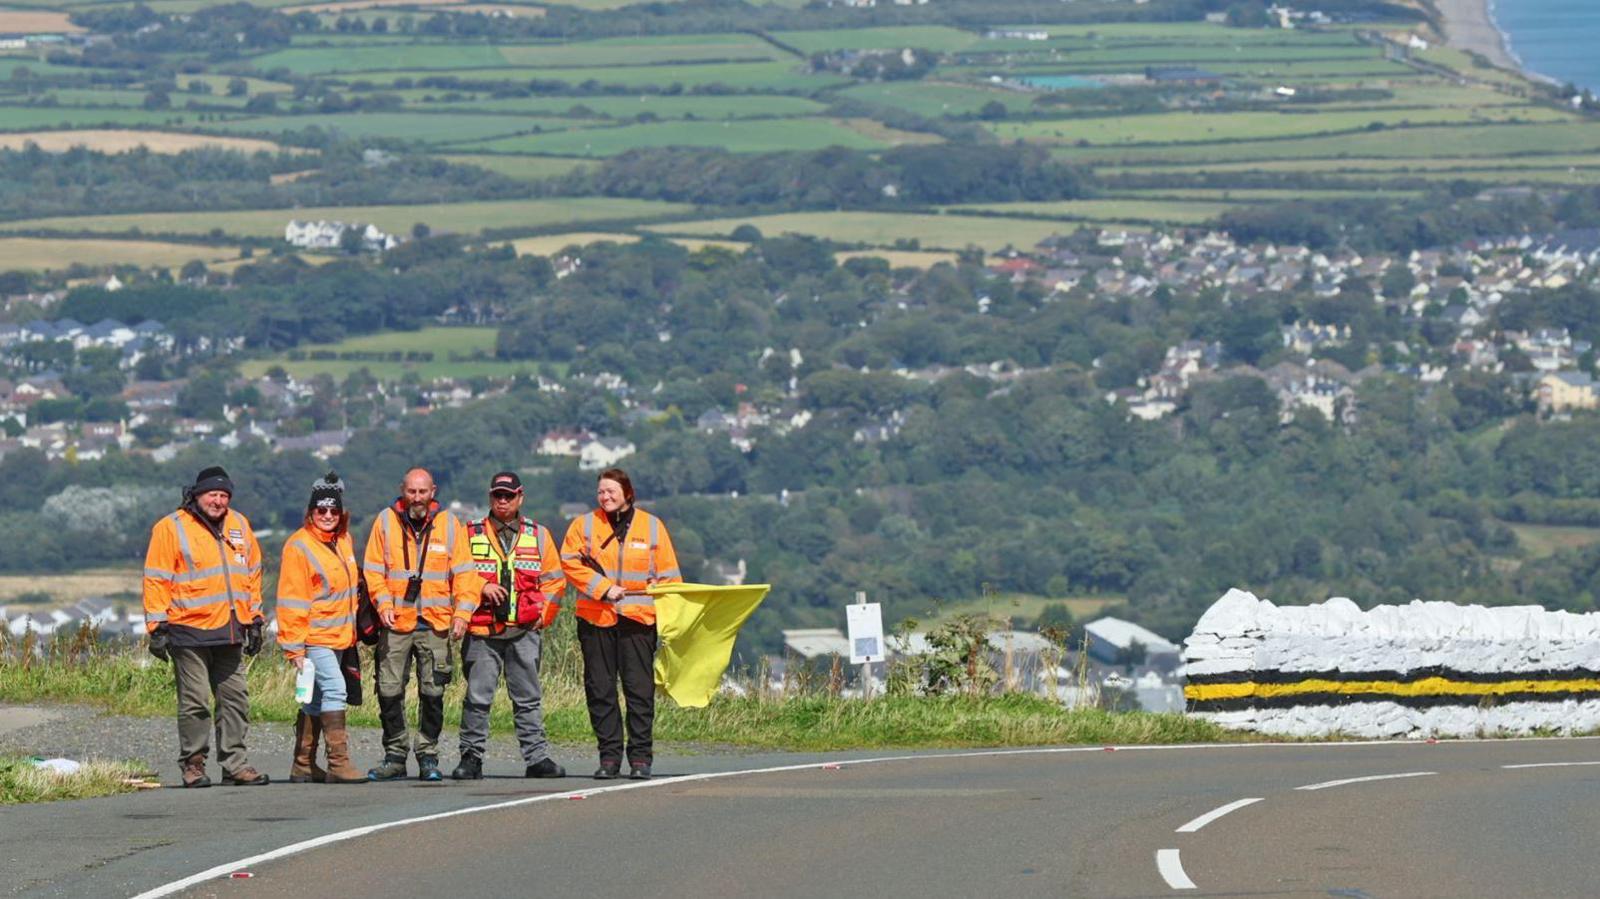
(422, 545)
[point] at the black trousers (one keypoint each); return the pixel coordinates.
(627, 649)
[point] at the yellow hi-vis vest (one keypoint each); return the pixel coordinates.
(533, 581)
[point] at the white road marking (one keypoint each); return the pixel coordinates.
(344, 835)
(1214, 814)
(1552, 765)
(1360, 780)
(1171, 868)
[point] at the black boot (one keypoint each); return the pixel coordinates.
(471, 768)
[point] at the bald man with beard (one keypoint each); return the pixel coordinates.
(419, 572)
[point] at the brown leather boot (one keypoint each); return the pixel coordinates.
(194, 771)
(340, 771)
(307, 730)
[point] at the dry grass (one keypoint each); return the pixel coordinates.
(115, 141)
(900, 258)
(33, 21)
(555, 243)
(288, 177)
(69, 588)
(38, 254)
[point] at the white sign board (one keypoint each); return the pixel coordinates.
(865, 624)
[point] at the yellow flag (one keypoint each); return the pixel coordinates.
(697, 624)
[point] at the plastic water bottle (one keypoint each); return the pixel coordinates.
(305, 683)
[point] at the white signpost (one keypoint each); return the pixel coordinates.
(864, 622)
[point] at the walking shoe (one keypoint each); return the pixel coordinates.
(545, 768)
(245, 777)
(471, 768)
(638, 770)
(428, 769)
(194, 771)
(393, 768)
(610, 769)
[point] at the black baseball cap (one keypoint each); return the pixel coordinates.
(505, 482)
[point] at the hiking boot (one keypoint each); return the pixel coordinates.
(428, 769)
(307, 732)
(194, 771)
(471, 768)
(340, 771)
(638, 770)
(245, 777)
(393, 768)
(610, 769)
(545, 768)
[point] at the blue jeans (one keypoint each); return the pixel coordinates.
(329, 695)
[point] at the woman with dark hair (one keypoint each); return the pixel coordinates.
(316, 623)
(611, 555)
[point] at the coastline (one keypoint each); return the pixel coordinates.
(1470, 25)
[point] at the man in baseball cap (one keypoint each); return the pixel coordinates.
(520, 564)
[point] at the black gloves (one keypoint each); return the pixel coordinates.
(252, 637)
(158, 643)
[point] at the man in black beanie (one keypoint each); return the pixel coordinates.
(202, 610)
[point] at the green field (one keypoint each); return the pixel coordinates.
(934, 100)
(1176, 212)
(523, 168)
(739, 106)
(457, 353)
(736, 136)
(925, 37)
(427, 128)
(749, 76)
(468, 218)
(950, 232)
(329, 60)
(1198, 127)
(34, 118)
(1482, 141)
(645, 51)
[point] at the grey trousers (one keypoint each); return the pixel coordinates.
(208, 674)
(485, 659)
(434, 656)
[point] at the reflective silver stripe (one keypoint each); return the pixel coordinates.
(292, 647)
(655, 541)
(183, 542)
(594, 585)
(310, 556)
(184, 577)
(342, 594)
(253, 569)
(436, 575)
(302, 604)
(463, 568)
(338, 621)
(668, 572)
(197, 602)
(572, 557)
(155, 616)
(160, 575)
(636, 599)
(375, 568)
(436, 602)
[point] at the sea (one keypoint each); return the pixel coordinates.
(1554, 38)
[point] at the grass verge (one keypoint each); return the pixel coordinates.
(21, 781)
(126, 681)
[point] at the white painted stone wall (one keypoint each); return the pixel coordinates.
(1241, 633)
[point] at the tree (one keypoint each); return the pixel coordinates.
(238, 87)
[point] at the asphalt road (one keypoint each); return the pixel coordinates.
(1448, 819)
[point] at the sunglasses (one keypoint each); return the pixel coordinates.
(333, 512)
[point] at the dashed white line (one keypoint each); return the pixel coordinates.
(1361, 780)
(1171, 868)
(1214, 814)
(1552, 765)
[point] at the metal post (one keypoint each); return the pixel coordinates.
(866, 667)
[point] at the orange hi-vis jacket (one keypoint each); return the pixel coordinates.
(204, 585)
(634, 561)
(536, 580)
(317, 593)
(449, 587)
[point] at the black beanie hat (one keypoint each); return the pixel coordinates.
(209, 479)
(327, 492)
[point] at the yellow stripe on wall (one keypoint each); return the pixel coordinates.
(1428, 686)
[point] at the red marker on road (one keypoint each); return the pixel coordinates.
(241, 875)
(830, 767)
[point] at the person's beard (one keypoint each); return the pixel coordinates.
(417, 511)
